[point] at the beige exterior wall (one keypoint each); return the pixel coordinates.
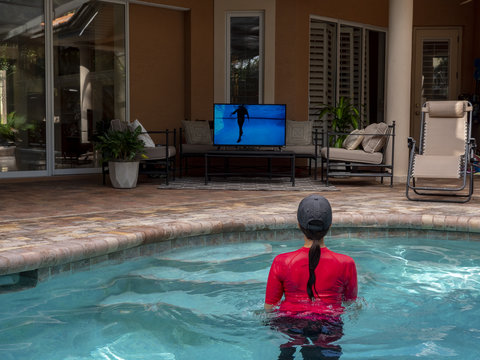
(171, 62)
(157, 66)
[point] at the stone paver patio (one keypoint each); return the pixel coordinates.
(55, 222)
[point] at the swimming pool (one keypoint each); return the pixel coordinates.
(421, 299)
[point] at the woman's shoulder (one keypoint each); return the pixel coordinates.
(340, 257)
(288, 255)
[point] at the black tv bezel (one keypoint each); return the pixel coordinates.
(250, 145)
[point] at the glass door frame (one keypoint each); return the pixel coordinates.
(49, 91)
(452, 34)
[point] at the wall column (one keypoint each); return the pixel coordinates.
(399, 65)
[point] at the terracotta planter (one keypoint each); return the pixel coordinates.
(123, 174)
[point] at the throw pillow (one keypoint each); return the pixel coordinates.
(353, 140)
(147, 140)
(298, 132)
(197, 132)
(374, 139)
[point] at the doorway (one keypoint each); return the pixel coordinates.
(436, 61)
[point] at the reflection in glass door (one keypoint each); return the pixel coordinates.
(89, 77)
(22, 86)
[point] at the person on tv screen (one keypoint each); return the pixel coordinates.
(241, 112)
(316, 283)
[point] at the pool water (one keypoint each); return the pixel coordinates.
(421, 298)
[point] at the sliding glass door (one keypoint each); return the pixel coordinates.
(89, 77)
(22, 86)
(60, 84)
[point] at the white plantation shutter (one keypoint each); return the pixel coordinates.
(345, 72)
(350, 64)
(365, 97)
(322, 68)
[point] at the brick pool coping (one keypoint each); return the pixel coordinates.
(81, 254)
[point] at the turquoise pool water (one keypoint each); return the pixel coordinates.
(421, 299)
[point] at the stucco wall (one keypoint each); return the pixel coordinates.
(157, 67)
(171, 62)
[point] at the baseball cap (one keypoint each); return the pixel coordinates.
(314, 213)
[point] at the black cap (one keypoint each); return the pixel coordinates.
(314, 213)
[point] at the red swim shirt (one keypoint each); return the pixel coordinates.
(336, 281)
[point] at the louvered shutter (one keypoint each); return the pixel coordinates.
(350, 64)
(322, 70)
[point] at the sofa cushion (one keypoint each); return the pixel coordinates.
(340, 154)
(197, 132)
(375, 139)
(301, 149)
(147, 140)
(353, 140)
(298, 132)
(196, 149)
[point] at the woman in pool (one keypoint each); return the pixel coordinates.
(316, 283)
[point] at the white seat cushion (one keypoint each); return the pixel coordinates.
(439, 167)
(340, 154)
(157, 153)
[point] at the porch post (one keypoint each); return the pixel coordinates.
(399, 69)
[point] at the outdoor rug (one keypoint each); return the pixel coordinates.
(247, 184)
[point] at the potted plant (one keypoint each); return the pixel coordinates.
(345, 118)
(10, 129)
(120, 149)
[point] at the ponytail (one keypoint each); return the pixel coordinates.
(313, 259)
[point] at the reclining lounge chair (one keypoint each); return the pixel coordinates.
(445, 152)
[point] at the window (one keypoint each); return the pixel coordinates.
(245, 58)
(435, 69)
(348, 61)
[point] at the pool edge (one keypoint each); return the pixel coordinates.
(81, 254)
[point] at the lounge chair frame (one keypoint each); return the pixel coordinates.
(433, 193)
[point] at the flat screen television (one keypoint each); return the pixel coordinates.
(249, 124)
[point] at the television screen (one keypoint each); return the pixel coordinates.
(254, 124)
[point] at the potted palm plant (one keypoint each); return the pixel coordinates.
(11, 128)
(345, 118)
(120, 148)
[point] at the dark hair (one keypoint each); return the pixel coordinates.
(314, 255)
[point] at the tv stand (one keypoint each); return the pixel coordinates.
(265, 154)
